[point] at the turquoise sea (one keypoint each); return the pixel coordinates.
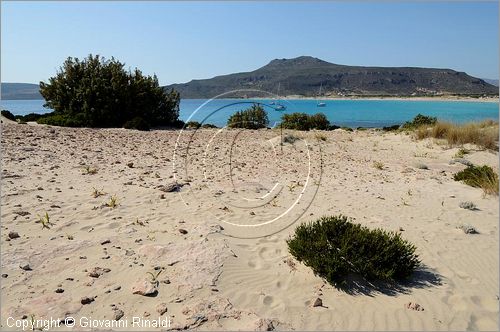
(351, 113)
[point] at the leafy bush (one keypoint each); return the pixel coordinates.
(96, 92)
(62, 120)
(479, 177)
(8, 115)
(334, 247)
(208, 126)
(193, 124)
(420, 120)
(391, 128)
(303, 121)
(137, 123)
(254, 117)
(32, 117)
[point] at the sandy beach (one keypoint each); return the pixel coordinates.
(204, 217)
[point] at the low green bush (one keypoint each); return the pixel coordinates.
(61, 120)
(335, 248)
(254, 117)
(193, 125)
(391, 128)
(137, 123)
(8, 115)
(303, 121)
(208, 126)
(420, 120)
(483, 177)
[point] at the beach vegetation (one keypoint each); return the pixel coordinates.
(254, 117)
(193, 125)
(208, 126)
(154, 277)
(96, 92)
(335, 248)
(482, 134)
(8, 115)
(303, 121)
(113, 202)
(378, 165)
(137, 123)
(468, 205)
(420, 120)
(483, 177)
(45, 221)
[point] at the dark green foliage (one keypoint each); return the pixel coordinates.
(303, 121)
(96, 92)
(483, 177)
(209, 126)
(32, 117)
(334, 248)
(254, 117)
(8, 115)
(333, 127)
(420, 120)
(347, 128)
(137, 123)
(193, 124)
(63, 120)
(391, 128)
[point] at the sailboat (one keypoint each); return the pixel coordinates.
(320, 103)
(278, 106)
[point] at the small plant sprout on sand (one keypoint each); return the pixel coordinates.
(113, 202)
(378, 165)
(97, 193)
(89, 170)
(45, 221)
(154, 277)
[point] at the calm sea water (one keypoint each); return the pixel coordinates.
(351, 113)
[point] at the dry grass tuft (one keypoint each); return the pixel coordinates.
(483, 134)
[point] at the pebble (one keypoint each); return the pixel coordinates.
(87, 300)
(414, 306)
(59, 290)
(161, 308)
(118, 314)
(318, 302)
(106, 242)
(183, 231)
(25, 266)
(13, 235)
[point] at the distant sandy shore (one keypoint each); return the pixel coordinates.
(443, 98)
(205, 217)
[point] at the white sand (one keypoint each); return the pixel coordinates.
(219, 277)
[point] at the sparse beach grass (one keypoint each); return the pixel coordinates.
(482, 134)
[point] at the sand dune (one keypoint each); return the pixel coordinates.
(219, 234)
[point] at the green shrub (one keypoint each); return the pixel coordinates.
(61, 120)
(254, 117)
(137, 123)
(420, 120)
(483, 177)
(335, 248)
(8, 115)
(303, 121)
(209, 126)
(193, 124)
(391, 128)
(95, 92)
(346, 128)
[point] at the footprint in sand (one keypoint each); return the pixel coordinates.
(268, 300)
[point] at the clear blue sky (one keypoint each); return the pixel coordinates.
(180, 41)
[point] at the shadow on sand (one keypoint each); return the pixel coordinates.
(423, 277)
